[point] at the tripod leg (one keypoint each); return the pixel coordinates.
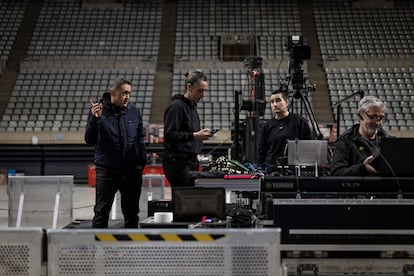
(312, 117)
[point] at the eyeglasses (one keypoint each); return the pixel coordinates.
(376, 118)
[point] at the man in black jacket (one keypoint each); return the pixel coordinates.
(274, 134)
(354, 149)
(115, 129)
(183, 136)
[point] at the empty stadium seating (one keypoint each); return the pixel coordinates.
(64, 30)
(200, 24)
(11, 14)
(393, 85)
(58, 99)
(53, 96)
(346, 33)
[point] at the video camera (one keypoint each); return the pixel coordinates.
(298, 48)
(299, 52)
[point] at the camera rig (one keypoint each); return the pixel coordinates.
(245, 146)
(298, 48)
(297, 86)
(256, 104)
(299, 52)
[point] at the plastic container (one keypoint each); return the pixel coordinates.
(91, 175)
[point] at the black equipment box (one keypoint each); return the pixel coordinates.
(337, 187)
(344, 221)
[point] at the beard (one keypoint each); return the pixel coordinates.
(371, 130)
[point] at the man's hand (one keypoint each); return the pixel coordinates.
(368, 166)
(203, 134)
(96, 108)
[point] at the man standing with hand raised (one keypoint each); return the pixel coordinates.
(116, 130)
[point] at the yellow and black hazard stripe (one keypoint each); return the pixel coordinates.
(166, 237)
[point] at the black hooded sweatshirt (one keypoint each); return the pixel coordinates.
(180, 121)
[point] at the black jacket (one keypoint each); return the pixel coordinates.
(350, 151)
(180, 121)
(274, 135)
(118, 139)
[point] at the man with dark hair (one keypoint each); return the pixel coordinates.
(115, 129)
(354, 149)
(275, 133)
(183, 136)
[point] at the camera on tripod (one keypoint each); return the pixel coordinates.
(300, 51)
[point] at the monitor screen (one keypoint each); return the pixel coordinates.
(396, 157)
(191, 204)
(307, 152)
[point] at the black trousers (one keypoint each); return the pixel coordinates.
(178, 168)
(107, 184)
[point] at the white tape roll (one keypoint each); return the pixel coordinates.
(163, 217)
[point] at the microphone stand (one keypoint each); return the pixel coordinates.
(338, 106)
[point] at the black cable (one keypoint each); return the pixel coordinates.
(219, 145)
